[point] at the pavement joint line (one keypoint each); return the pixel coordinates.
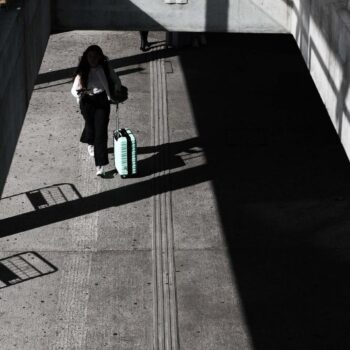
(83, 251)
(104, 251)
(165, 323)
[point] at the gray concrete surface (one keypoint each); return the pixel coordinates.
(232, 236)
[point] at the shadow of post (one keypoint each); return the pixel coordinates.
(216, 15)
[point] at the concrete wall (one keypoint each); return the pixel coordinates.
(24, 32)
(322, 30)
(269, 16)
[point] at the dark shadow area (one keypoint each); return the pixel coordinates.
(281, 180)
(23, 267)
(115, 63)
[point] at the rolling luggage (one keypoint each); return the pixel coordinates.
(125, 151)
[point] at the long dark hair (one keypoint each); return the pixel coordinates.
(84, 67)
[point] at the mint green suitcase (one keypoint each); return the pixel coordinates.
(125, 152)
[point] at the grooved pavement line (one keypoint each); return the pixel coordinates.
(164, 283)
(74, 285)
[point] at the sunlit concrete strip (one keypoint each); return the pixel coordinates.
(164, 283)
(74, 286)
(270, 15)
(72, 302)
(86, 226)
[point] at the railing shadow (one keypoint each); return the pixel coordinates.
(38, 199)
(23, 267)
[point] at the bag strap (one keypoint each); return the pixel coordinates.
(117, 116)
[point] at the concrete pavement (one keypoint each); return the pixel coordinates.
(234, 232)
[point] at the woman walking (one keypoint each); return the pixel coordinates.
(94, 87)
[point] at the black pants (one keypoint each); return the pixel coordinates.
(95, 110)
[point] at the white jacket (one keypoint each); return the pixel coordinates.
(98, 82)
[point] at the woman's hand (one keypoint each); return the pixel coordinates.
(82, 92)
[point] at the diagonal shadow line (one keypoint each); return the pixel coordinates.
(113, 198)
(115, 63)
(130, 71)
(70, 81)
(120, 73)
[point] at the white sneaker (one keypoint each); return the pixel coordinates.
(91, 150)
(100, 171)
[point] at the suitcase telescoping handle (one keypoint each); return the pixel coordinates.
(116, 116)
